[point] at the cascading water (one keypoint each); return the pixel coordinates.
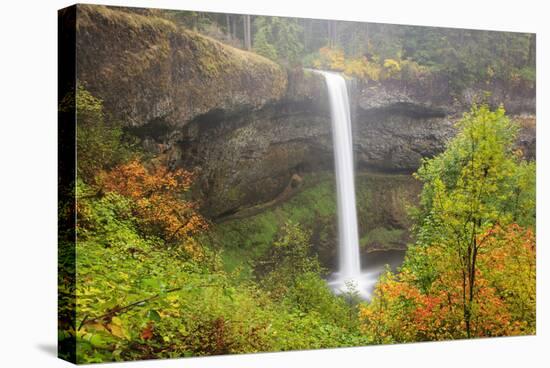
(349, 275)
(345, 175)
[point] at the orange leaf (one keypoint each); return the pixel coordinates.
(147, 332)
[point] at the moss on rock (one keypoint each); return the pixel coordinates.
(144, 67)
(381, 238)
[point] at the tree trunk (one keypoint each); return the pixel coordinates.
(332, 30)
(228, 25)
(248, 20)
(234, 27)
(366, 46)
(331, 33)
(304, 25)
(247, 32)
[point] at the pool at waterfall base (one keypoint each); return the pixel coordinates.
(374, 264)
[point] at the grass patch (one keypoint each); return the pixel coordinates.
(249, 238)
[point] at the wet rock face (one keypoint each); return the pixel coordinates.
(248, 158)
(383, 222)
(437, 96)
(395, 138)
(390, 95)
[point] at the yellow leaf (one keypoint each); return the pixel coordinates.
(117, 329)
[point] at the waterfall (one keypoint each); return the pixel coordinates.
(349, 273)
(345, 175)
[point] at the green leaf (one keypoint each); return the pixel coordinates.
(153, 315)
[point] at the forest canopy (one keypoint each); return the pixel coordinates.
(375, 51)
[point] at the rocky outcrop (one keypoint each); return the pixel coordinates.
(394, 138)
(398, 123)
(246, 159)
(148, 71)
(438, 96)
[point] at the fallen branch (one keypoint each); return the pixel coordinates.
(126, 308)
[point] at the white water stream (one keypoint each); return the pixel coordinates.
(349, 274)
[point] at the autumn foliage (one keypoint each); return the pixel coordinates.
(158, 194)
(471, 272)
(363, 68)
(504, 304)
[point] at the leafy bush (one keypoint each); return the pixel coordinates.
(100, 143)
(310, 294)
(367, 69)
(140, 296)
(158, 200)
(412, 71)
(391, 68)
(288, 259)
(333, 59)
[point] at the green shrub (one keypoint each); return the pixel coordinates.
(100, 142)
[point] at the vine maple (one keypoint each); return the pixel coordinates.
(159, 198)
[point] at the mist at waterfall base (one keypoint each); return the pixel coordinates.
(350, 277)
